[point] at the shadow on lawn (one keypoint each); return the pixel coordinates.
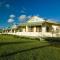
(13, 53)
(52, 42)
(55, 41)
(8, 43)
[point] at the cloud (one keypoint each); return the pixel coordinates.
(22, 11)
(22, 17)
(10, 20)
(4, 4)
(28, 17)
(12, 16)
(7, 5)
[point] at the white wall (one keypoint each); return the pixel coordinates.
(54, 27)
(46, 34)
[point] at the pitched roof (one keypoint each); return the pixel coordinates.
(35, 19)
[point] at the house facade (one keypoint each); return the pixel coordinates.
(37, 26)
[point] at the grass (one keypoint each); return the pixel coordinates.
(25, 48)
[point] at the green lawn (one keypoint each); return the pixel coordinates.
(25, 48)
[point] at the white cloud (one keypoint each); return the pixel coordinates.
(12, 16)
(10, 20)
(7, 5)
(4, 4)
(22, 11)
(22, 17)
(28, 17)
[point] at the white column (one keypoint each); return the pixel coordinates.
(26, 28)
(11, 30)
(54, 30)
(35, 29)
(14, 31)
(54, 27)
(43, 29)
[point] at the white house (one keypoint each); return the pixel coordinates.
(37, 26)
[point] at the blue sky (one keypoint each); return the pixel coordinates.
(49, 9)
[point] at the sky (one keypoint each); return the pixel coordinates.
(16, 11)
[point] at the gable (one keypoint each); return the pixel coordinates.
(35, 19)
